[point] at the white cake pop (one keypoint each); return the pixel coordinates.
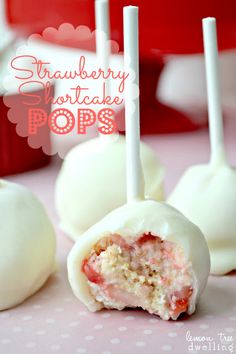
(144, 254)
(206, 194)
(92, 182)
(27, 242)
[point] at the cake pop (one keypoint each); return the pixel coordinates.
(144, 254)
(27, 242)
(206, 194)
(91, 182)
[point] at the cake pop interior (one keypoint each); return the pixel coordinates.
(149, 272)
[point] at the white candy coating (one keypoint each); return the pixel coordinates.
(27, 243)
(207, 196)
(133, 220)
(92, 182)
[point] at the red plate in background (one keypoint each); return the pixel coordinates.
(166, 27)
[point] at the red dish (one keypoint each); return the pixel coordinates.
(166, 27)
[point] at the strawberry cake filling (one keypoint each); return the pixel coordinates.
(149, 272)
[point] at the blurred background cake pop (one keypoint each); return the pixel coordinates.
(206, 194)
(91, 182)
(27, 243)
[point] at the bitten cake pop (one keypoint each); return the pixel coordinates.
(144, 254)
(91, 182)
(206, 194)
(27, 243)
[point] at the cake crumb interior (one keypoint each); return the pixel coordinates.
(149, 272)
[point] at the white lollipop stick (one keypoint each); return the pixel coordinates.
(102, 32)
(213, 91)
(134, 174)
(103, 37)
(102, 16)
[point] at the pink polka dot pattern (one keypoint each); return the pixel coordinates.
(54, 321)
